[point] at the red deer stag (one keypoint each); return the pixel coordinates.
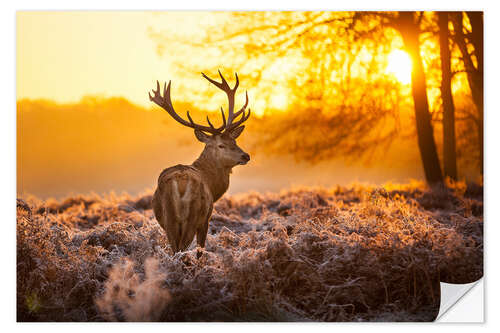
(185, 196)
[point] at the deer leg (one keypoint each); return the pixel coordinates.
(171, 226)
(158, 209)
(186, 238)
(173, 234)
(201, 233)
(201, 237)
(180, 217)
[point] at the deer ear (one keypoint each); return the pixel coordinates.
(201, 136)
(236, 132)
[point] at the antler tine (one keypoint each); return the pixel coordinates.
(165, 91)
(212, 81)
(189, 117)
(224, 86)
(230, 92)
(209, 123)
(237, 81)
(243, 107)
(224, 82)
(243, 118)
(223, 117)
(165, 103)
(151, 98)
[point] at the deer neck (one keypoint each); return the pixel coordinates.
(215, 175)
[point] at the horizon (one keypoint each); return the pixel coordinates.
(86, 61)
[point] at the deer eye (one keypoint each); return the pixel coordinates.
(222, 146)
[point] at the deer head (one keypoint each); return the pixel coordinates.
(220, 142)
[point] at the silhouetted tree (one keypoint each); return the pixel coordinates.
(359, 28)
(449, 150)
(407, 24)
(473, 63)
(339, 90)
(341, 103)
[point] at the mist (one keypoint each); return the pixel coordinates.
(103, 145)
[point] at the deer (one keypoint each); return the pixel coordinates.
(185, 195)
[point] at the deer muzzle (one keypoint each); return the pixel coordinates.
(244, 158)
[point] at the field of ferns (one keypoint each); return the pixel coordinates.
(357, 253)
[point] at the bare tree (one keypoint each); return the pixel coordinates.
(335, 42)
(473, 63)
(407, 24)
(449, 146)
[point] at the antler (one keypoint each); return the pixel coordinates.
(224, 86)
(166, 103)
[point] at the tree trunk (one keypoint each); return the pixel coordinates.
(476, 20)
(449, 146)
(474, 74)
(409, 30)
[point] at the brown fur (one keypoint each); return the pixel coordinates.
(184, 198)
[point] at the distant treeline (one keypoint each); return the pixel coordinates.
(104, 144)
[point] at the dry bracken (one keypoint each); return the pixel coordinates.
(360, 253)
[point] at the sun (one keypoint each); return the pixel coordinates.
(399, 65)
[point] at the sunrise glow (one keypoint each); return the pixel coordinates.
(399, 65)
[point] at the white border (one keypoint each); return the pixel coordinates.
(8, 132)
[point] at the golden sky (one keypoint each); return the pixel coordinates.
(66, 55)
(63, 56)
